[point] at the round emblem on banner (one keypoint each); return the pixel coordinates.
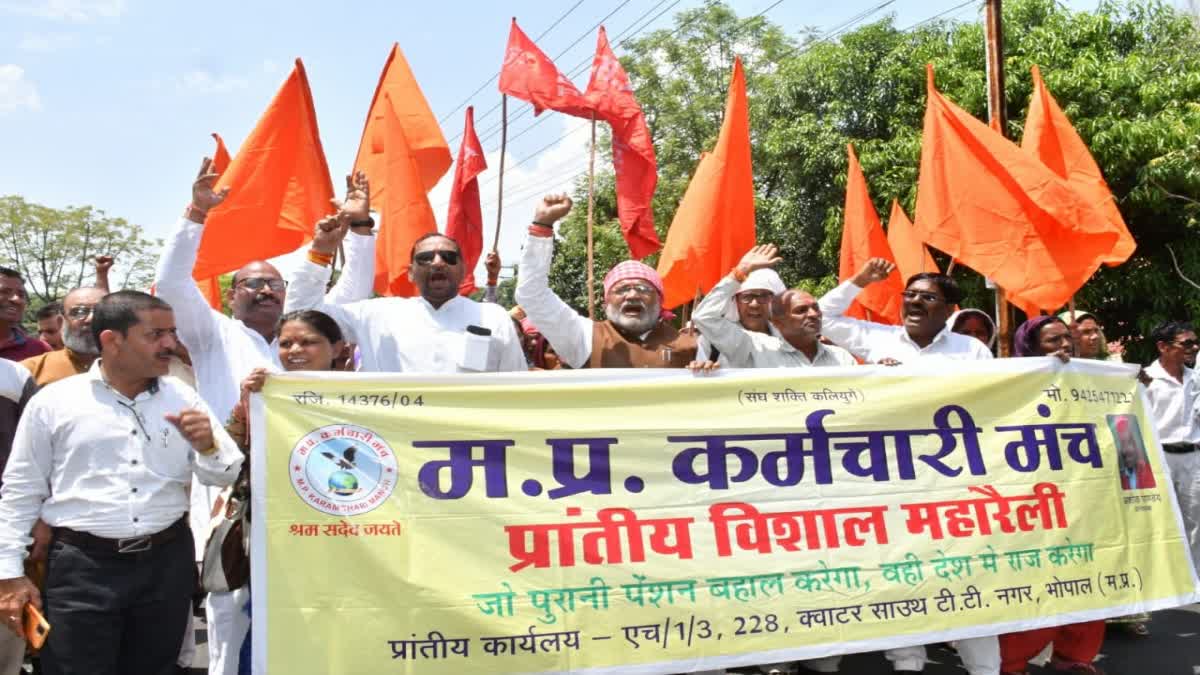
(343, 469)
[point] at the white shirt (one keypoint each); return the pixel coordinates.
(1172, 403)
(14, 378)
(569, 333)
(750, 349)
(225, 350)
(875, 342)
(410, 335)
(88, 458)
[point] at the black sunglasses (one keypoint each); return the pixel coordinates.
(426, 257)
(1189, 344)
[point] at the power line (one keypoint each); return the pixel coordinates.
(495, 77)
(935, 17)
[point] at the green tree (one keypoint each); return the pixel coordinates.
(1126, 74)
(54, 248)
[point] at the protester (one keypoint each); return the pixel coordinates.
(1172, 393)
(751, 309)
(538, 350)
(15, 345)
(80, 348)
(224, 350)
(16, 387)
(925, 335)
(438, 332)
(974, 323)
(1076, 645)
(794, 317)
(103, 264)
(633, 336)
(928, 300)
(1088, 334)
(49, 324)
(491, 263)
(83, 447)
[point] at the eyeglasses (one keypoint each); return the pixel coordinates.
(259, 283)
(1188, 344)
(426, 257)
(927, 297)
(639, 289)
(749, 297)
(80, 311)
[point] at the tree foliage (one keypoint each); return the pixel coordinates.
(54, 248)
(1126, 74)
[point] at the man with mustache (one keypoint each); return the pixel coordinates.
(49, 325)
(80, 348)
(929, 299)
(439, 331)
(224, 350)
(634, 334)
(106, 457)
(15, 344)
(795, 323)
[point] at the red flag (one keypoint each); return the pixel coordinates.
(912, 257)
(404, 154)
(530, 75)
(863, 239)
(714, 225)
(611, 94)
(996, 208)
(279, 186)
(1051, 138)
(464, 220)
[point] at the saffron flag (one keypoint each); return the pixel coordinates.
(909, 251)
(636, 167)
(998, 209)
(404, 154)
(530, 75)
(464, 220)
(863, 239)
(279, 186)
(1050, 136)
(714, 224)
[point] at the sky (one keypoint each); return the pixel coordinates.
(111, 103)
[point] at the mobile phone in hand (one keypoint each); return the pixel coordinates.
(36, 626)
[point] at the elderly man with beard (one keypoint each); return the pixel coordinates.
(224, 350)
(439, 331)
(633, 336)
(80, 348)
(795, 323)
(925, 335)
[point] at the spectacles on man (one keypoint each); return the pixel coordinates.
(762, 297)
(927, 297)
(80, 311)
(1189, 344)
(426, 257)
(636, 288)
(259, 283)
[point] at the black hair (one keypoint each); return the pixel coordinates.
(1167, 331)
(945, 283)
(11, 274)
(318, 321)
(49, 311)
(430, 235)
(118, 311)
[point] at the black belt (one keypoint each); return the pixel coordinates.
(139, 544)
(1179, 448)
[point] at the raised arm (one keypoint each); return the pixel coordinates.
(852, 334)
(173, 279)
(358, 272)
(306, 287)
(729, 336)
(103, 264)
(569, 333)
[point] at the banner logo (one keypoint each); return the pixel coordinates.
(343, 470)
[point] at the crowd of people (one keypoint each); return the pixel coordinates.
(123, 433)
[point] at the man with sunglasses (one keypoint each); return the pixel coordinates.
(929, 300)
(225, 349)
(439, 331)
(633, 336)
(1172, 393)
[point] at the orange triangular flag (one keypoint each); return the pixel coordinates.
(714, 224)
(211, 287)
(1051, 138)
(911, 255)
(997, 209)
(863, 239)
(404, 154)
(279, 186)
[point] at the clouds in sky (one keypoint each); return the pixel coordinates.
(16, 91)
(76, 11)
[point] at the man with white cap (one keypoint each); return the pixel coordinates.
(635, 334)
(749, 308)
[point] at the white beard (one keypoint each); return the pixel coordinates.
(84, 343)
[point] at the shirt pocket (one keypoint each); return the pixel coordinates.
(168, 455)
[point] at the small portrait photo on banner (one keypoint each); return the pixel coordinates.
(1133, 464)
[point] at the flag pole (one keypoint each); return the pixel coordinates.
(591, 214)
(994, 44)
(500, 178)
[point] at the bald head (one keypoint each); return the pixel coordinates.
(77, 319)
(256, 295)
